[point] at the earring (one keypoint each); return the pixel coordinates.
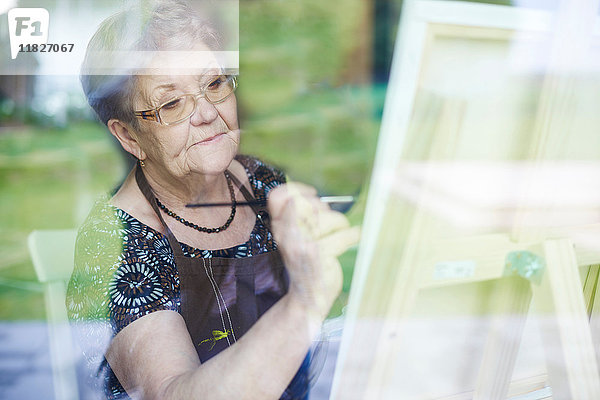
(142, 163)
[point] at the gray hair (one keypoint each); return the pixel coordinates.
(154, 25)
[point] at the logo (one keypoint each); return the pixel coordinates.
(27, 27)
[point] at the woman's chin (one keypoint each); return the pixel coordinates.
(212, 159)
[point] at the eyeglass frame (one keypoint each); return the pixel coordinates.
(153, 114)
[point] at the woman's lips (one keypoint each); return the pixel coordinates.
(211, 139)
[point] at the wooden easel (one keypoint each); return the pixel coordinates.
(422, 261)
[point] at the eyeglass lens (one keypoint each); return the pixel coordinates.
(183, 107)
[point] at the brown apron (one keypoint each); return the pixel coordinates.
(221, 298)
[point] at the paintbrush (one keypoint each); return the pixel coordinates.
(324, 199)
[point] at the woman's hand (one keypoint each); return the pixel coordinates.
(310, 236)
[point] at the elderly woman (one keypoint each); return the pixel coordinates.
(208, 302)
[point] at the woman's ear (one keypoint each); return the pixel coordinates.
(126, 137)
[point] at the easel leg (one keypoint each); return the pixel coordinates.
(595, 317)
(570, 357)
(512, 297)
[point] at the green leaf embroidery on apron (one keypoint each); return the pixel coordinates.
(217, 335)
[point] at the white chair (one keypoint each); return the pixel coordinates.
(52, 253)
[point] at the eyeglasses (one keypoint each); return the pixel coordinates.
(180, 108)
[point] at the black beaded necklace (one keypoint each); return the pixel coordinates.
(201, 228)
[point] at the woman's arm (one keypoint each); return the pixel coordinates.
(154, 357)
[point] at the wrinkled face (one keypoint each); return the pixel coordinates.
(205, 143)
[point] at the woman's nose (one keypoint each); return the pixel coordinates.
(204, 112)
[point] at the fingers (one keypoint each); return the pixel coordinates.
(297, 206)
(300, 189)
(313, 215)
(278, 201)
(306, 206)
(340, 241)
(329, 221)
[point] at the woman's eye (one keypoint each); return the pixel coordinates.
(216, 83)
(172, 104)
